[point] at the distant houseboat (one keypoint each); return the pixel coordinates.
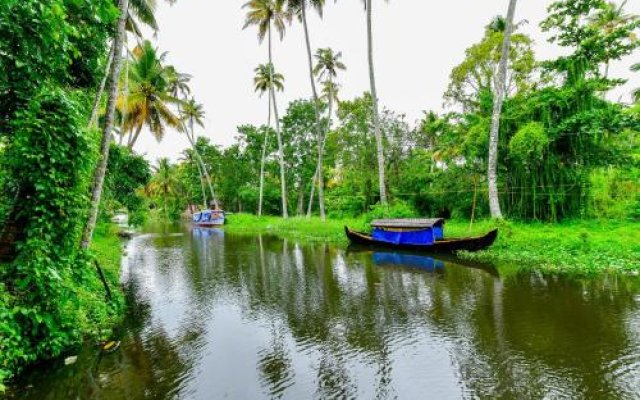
(208, 218)
(418, 234)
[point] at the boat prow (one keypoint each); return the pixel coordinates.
(476, 243)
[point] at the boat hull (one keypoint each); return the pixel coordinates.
(440, 246)
(208, 218)
(208, 224)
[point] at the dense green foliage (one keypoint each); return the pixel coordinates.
(127, 174)
(52, 58)
(573, 247)
(565, 150)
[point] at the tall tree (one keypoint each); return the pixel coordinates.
(498, 98)
(609, 18)
(164, 182)
(193, 113)
(326, 70)
(150, 97)
(299, 8)
(264, 81)
(138, 11)
(476, 75)
(376, 113)
(264, 14)
(98, 179)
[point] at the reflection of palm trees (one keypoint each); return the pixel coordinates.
(274, 365)
(519, 338)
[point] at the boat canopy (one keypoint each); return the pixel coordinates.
(408, 230)
(407, 223)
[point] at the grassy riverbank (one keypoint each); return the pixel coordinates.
(575, 247)
(88, 316)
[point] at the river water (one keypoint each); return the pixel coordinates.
(216, 316)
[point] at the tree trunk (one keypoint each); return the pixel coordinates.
(376, 115)
(93, 119)
(207, 177)
(98, 180)
(283, 183)
(313, 192)
(204, 192)
(125, 91)
(319, 166)
(300, 208)
(262, 159)
(492, 172)
(319, 177)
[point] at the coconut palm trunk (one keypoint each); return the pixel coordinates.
(283, 183)
(96, 103)
(207, 177)
(376, 115)
(125, 90)
(204, 192)
(101, 170)
(319, 176)
(321, 151)
(262, 159)
(492, 170)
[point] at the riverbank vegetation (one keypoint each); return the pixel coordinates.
(76, 95)
(565, 150)
(575, 247)
(51, 295)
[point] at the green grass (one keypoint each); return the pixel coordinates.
(574, 247)
(107, 248)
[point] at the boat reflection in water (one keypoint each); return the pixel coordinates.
(424, 263)
(207, 232)
(420, 261)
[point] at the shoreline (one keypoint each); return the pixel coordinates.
(580, 248)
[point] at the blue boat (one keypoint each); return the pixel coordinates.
(208, 218)
(418, 234)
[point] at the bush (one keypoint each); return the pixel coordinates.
(398, 209)
(51, 294)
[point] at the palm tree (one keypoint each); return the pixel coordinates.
(266, 80)
(492, 170)
(179, 88)
(114, 75)
(299, 8)
(326, 70)
(138, 11)
(376, 114)
(164, 181)
(150, 96)
(264, 14)
(329, 95)
(193, 113)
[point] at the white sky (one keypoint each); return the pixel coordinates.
(416, 44)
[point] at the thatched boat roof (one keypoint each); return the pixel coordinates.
(404, 223)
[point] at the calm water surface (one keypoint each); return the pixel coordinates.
(216, 316)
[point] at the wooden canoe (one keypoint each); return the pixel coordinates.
(440, 246)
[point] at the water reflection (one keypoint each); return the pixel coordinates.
(424, 263)
(216, 315)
